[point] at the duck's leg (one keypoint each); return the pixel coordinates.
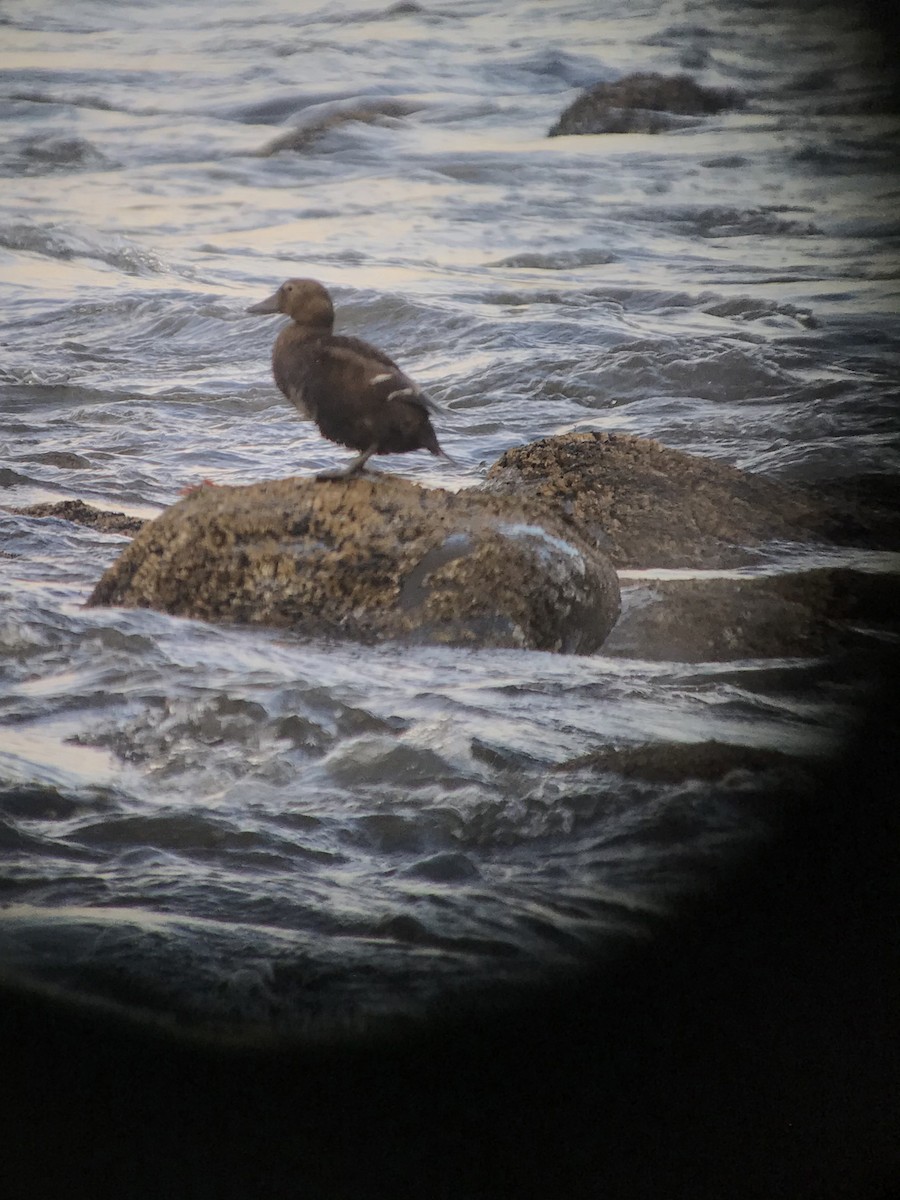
(190, 488)
(354, 467)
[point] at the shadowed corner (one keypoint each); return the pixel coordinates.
(749, 1051)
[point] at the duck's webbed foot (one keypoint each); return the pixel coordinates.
(190, 488)
(355, 467)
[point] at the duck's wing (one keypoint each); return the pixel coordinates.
(382, 377)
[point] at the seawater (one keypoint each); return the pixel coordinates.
(241, 825)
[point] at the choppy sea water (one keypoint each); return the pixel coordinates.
(242, 825)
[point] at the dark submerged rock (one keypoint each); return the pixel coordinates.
(642, 103)
(59, 153)
(321, 119)
(65, 459)
(445, 867)
(674, 762)
(796, 614)
(404, 8)
(369, 559)
(861, 510)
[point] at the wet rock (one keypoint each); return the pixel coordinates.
(321, 119)
(643, 103)
(370, 558)
(798, 614)
(10, 478)
(84, 514)
(674, 762)
(860, 510)
(45, 154)
(403, 8)
(59, 458)
(34, 802)
(559, 260)
(649, 506)
(447, 867)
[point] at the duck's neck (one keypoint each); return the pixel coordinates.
(310, 333)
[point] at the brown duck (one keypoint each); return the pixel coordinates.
(357, 396)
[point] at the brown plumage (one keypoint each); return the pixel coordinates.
(357, 396)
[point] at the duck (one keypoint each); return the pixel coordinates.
(357, 396)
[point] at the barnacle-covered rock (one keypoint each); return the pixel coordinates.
(369, 558)
(650, 506)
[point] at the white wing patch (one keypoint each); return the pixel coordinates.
(410, 391)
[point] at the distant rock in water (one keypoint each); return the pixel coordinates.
(558, 260)
(650, 506)
(643, 103)
(44, 154)
(673, 762)
(318, 120)
(403, 8)
(369, 559)
(80, 513)
(65, 459)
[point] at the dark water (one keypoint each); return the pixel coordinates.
(243, 825)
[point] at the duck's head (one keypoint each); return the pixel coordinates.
(306, 301)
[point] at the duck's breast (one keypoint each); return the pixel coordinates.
(294, 366)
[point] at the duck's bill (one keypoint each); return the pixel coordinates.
(266, 306)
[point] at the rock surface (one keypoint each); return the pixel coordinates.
(649, 506)
(673, 762)
(642, 103)
(372, 557)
